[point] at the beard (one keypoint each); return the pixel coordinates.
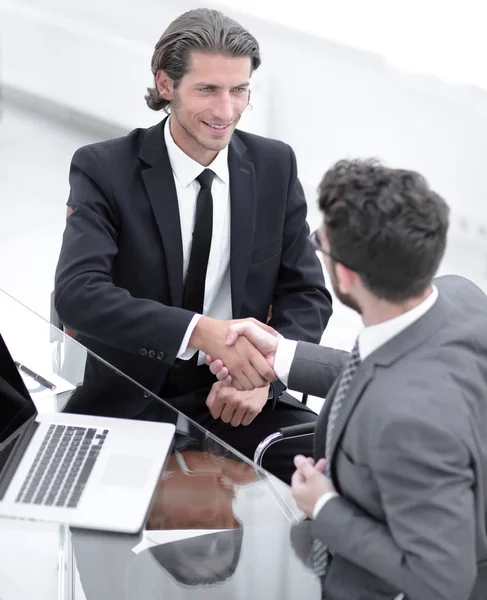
(345, 299)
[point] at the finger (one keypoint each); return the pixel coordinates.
(209, 359)
(228, 412)
(254, 378)
(211, 396)
(238, 416)
(297, 481)
(243, 372)
(216, 366)
(216, 404)
(253, 365)
(228, 382)
(321, 465)
(236, 330)
(265, 372)
(237, 385)
(222, 374)
(245, 384)
(241, 381)
(265, 327)
(304, 467)
(248, 418)
(217, 408)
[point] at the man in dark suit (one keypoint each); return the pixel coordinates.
(178, 229)
(397, 497)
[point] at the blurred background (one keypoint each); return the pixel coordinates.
(402, 81)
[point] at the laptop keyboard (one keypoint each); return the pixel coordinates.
(62, 466)
(7, 451)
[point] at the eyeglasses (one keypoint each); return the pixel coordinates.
(316, 243)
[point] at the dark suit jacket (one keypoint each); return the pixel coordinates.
(409, 458)
(119, 280)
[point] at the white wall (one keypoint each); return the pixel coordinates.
(446, 39)
(327, 101)
(90, 56)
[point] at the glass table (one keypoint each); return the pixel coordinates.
(219, 526)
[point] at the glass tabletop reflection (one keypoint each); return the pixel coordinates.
(218, 525)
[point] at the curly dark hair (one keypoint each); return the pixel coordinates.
(385, 224)
(203, 30)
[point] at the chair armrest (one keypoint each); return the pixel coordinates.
(297, 430)
(282, 433)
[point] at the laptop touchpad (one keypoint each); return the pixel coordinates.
(126, 471)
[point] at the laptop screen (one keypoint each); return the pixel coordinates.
(16, 406)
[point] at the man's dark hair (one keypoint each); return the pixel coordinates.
(385, 224)
(202, 30)
(202, 560)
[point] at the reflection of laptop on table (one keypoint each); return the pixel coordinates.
(92, 472)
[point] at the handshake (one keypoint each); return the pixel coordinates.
(240, 353)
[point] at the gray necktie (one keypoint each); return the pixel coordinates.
(319, 555)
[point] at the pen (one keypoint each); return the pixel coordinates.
(35, 376)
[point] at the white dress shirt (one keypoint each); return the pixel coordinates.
(218, 299)
(369, 340)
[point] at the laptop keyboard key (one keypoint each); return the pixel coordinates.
(62, 466)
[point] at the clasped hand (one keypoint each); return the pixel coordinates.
(263, 340)
(308, 481)
(248, 366)
(227, 400)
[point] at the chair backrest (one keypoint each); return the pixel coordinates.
(54, 317)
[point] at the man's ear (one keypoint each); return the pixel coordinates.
(165, 85)
(346, 278)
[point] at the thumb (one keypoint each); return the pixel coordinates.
(234, 331)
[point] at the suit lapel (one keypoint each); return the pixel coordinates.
(362, 377)
(159, 182)
(359, 383)
(417, 334)
(243, 207)
(322, 421)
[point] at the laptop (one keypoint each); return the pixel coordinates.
(90, 472)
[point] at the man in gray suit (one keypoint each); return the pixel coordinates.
(396, 499)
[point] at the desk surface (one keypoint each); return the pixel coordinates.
(219, 526)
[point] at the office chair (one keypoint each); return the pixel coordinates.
(54, 317)
(281, 434)
(292, 430)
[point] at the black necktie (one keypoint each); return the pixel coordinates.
(183, 377)
(194, 289)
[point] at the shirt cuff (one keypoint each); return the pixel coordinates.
(322, 500)
(184, 352)
(286, 349)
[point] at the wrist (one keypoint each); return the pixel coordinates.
(199, 337)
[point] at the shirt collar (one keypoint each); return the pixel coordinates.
(185, 168)
(371, 338)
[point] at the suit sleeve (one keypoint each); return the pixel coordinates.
(315, 368)
(85, 296)
(301, 305)
(424, 478)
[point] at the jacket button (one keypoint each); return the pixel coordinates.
(160, 356)
(144, 351)
(152, 354)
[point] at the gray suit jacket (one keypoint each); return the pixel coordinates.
(409, 458)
